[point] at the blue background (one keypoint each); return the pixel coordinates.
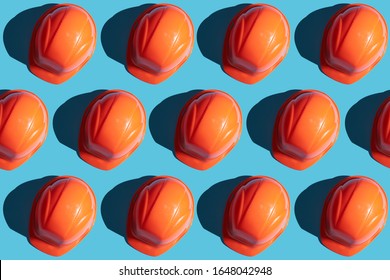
(113, 189)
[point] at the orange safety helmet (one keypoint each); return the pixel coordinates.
(354, 213)
(160, 214)
(62, 214)
(23, 127)
(112, 128)
(256, 214)
(354, 41)
(256, 42)
(160, 41)
(380, 140)
(306, 127)
(209, 126)
(63, 40)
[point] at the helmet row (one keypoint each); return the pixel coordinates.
(208, 127)
(162, 209)
(162, 38)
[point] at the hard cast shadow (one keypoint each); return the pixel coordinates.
(309, 32)
(67, 119)
(18, 31)
(163, 118)
(17, 205)
(261, 118)
(211, 32)
(212, 203)
(116, 31)
(309, 204)
(116, 203)
(360, 119)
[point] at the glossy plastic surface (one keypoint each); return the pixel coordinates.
(23, 127)
(256, 42)
(256, 214)
(209, 126)
(160, 214)
(160, 41)
(380, 140)
(63, 213)
(63, 40)
(112, 128)
(354, 41)
(354, 213)
(306, 127)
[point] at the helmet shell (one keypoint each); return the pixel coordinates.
(63, 40)
(160, 214)
(63, 213)
(354, 213)
(23, 127)
(256, 42)
(160, 41)
(354, 41)
(380, 140)
(113, 127)
(209, 126)
(256, 214)
(306, 127)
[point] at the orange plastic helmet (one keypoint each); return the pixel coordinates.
(160, 214)
(354, 213)
(256, 42)
(160, 41)
(354, 41)
(23, 127)
(209, 126)
(63, 213)
(256, 214)
(306, 127)
(112, 128)
(63, 41)
(380, 140)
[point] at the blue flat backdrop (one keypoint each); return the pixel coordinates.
(307, 189)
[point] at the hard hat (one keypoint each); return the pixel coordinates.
(23, 127)
(160, 41)
(306, 127)
(354, 41)
(160, 214)
(354, 213)
(256, 214)
(380, 140)
(62, 214)
(256, 42)
(63, 40)
(209, 126)
(112, 128)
